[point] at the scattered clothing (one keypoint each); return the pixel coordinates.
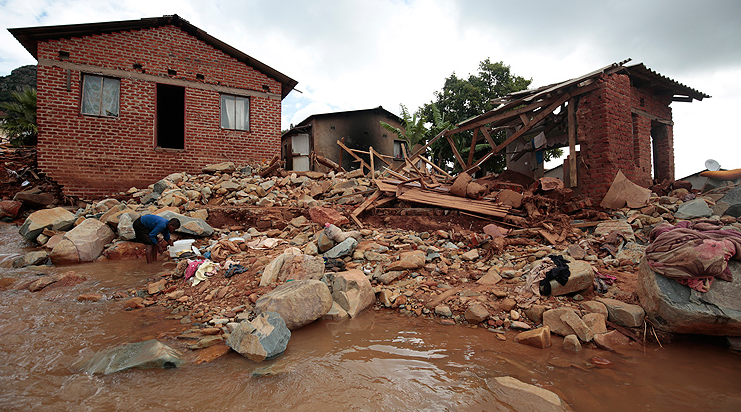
(693, 253)
(235, 269)
(192, 267)
(206, 269)
(560, 274)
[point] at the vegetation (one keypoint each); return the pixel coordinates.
(416, 130)
(19, 120)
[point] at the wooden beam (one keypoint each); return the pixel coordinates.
(372, 165)
(650, 116)
(488, 138)
(571, 120)
(455, 151)
(436, 167)
(362, 162)
(423, 148)
(543, 113)
(473, 147)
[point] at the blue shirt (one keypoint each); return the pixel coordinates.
(156, 224)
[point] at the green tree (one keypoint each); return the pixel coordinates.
(460, 99)
(19, 120)
(416, 130)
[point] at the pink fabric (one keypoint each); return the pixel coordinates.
(192, 267)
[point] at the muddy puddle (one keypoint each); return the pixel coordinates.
(379, 361)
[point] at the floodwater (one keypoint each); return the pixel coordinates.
(379, 361)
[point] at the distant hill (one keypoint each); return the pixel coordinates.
(16, 80)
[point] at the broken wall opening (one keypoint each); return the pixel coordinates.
(170, 114)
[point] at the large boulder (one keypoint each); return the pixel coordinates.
(352, 291)
(624, 314)
(140, 355)
(411, 260)
(301, 266)
(322, 215)
(299, 302)
(10, 208)
(125, 250)
(84, 243)
(519, 396)
(34, 258)
(581, 277)
(125, 227)
(57, 219)
(693, 209)
(266, 337)
(673, 307)
(345, 248)
(188, 225)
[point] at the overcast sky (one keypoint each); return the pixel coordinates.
(350, 55)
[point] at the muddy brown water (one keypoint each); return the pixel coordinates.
(378, 361)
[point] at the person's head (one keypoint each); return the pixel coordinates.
(173, 225)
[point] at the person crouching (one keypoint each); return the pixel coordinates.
(147, 228)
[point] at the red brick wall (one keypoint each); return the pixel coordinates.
(93, 156)
(613, 138)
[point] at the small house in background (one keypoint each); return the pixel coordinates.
(358, 130)
(125, 103)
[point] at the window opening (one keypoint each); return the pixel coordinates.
(170, 116)
(235, 112)
(398, 152)
(100, 95)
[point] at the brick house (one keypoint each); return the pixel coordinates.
(360, 129)
(617, 118)
(125, 103)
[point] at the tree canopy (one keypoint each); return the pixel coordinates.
(19, 120)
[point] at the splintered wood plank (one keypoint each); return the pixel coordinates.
(357, 158)
(454, 202)
(472, 151)
(455, 151)
(571, 119)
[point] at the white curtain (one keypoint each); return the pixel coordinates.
(91, 90)
(242, 111)
(227, 111)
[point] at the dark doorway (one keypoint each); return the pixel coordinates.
(170, 116)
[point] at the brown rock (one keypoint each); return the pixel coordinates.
(10, 208)
(134, 303)
(414, 259)
(124, 250)
(580, 328)
(572, 343)
(611, 341)
(540, 338)
(535, 313)
(322, 215)
(595, 322)
(475, 191)
(552, 319)
(89, 297)
(156, 287)
(507, 304)
(476, 313)
(592, 306)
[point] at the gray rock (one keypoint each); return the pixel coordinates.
(299, 302)
(31, 259)
(693, 209)
(733, 196)
(734, 210)
(57, 219)
(622, 313)
(223, 167)
(342, 249)
(675, 308)
(140, 355)
(265, 338)
(189, 225)
(621, 225)
(125, 226)
(149, 198)
(84, 243)
(443, 310)
(163, 185)
(519, 396)
(632, 252)
(581, 277)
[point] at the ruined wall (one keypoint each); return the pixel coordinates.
(93, 156)
(361, 130)
(614, 125)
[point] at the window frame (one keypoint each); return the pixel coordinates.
(400, 157)
(102, 111)
(232, 125)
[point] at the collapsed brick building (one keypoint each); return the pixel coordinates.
(619, 116)
(124, 103)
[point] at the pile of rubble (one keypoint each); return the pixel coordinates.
(280, 243)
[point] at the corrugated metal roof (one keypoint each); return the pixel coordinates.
(640, 70)
(29, 37)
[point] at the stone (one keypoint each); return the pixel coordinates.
(134, 303)
(31, 259)
(188, 225)
(156, 287)
(125, 226)
(35, 200)
(410, 260)
(595, 322)
(539, 338)
(517, 325)
(693, 209)
(520, 396)
(507, 304)
(620, 225)
(272, 269)
(592, 306)
(323, 242)
(733, 211)
(471, 255)
(581, 277)
(344, 248)
(581, 330)
(491, 277)
(631, 252)
(510, 197)
(336, 313)
(476, 314)
(299, 302)
(673, 307)
(206, 342)
(571, 343)
(389, 277)
(264, 338)
(223, 167)
(733, 196)
(140, 355)
(125, 250)
(84, 243)
(56, 219)
(576, 252)
(89, 297)
(552, 319)
(10, 208)
(443, 310)
(322, 215)
(535, 313)
(611, 341)
(624, 314)
(352, 291)
(300, 266)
